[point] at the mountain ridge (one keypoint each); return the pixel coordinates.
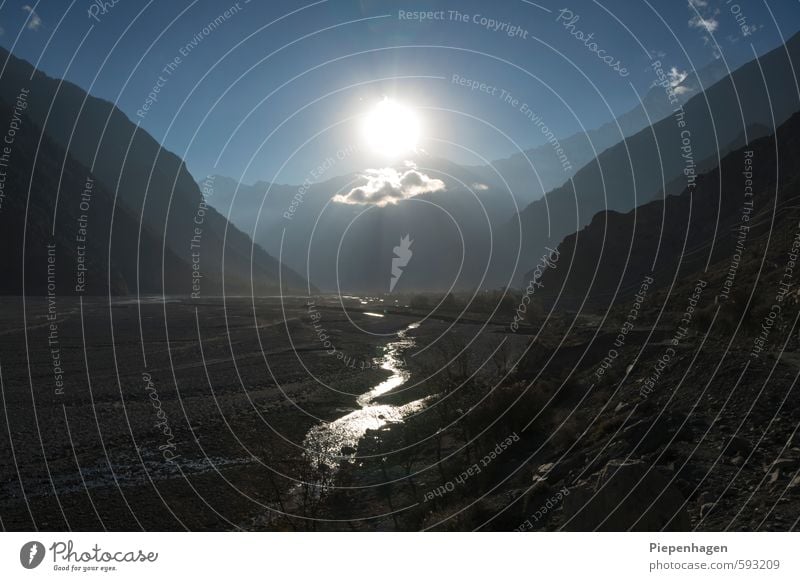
(152, 182)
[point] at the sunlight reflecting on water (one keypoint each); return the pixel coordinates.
(329, 444)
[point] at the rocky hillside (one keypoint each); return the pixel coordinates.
(151, 182)
(724, 221)
(636, 170)
(60, 225)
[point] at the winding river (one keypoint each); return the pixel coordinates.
(329, 444)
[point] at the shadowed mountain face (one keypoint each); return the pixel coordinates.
(530, 175)
(66, 239)
(638, 169)
(721, 226)
(152, 183)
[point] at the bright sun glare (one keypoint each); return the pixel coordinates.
(391, 129)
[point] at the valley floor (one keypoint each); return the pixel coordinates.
(193, 414)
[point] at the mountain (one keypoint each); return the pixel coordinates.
(485, 224)
(68, 244)
(349, 248)
(637, 170)
(150, 182)
(717, 231)
(551, 171)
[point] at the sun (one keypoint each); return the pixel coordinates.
(391, 129)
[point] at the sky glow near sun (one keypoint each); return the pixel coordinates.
(391, 129)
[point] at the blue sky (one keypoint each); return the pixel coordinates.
(302, 72)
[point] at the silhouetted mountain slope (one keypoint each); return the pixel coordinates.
(634, 171)
(582, 148)
(459, 235)
(677, 185)
(718, 226)
(151, 182)
(64, 216)
(350, 250)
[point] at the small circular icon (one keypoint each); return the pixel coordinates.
(31, 554)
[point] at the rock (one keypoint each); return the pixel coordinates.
(774, 476)
(539, 486)
(555, 471)
(706, 508)
(545, 468)
(627, 497)
(737, 445)
(651, 436)
(704, 497)
(787, 463)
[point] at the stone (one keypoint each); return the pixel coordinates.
(706, 508)
(737, 445)
(627, 496)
